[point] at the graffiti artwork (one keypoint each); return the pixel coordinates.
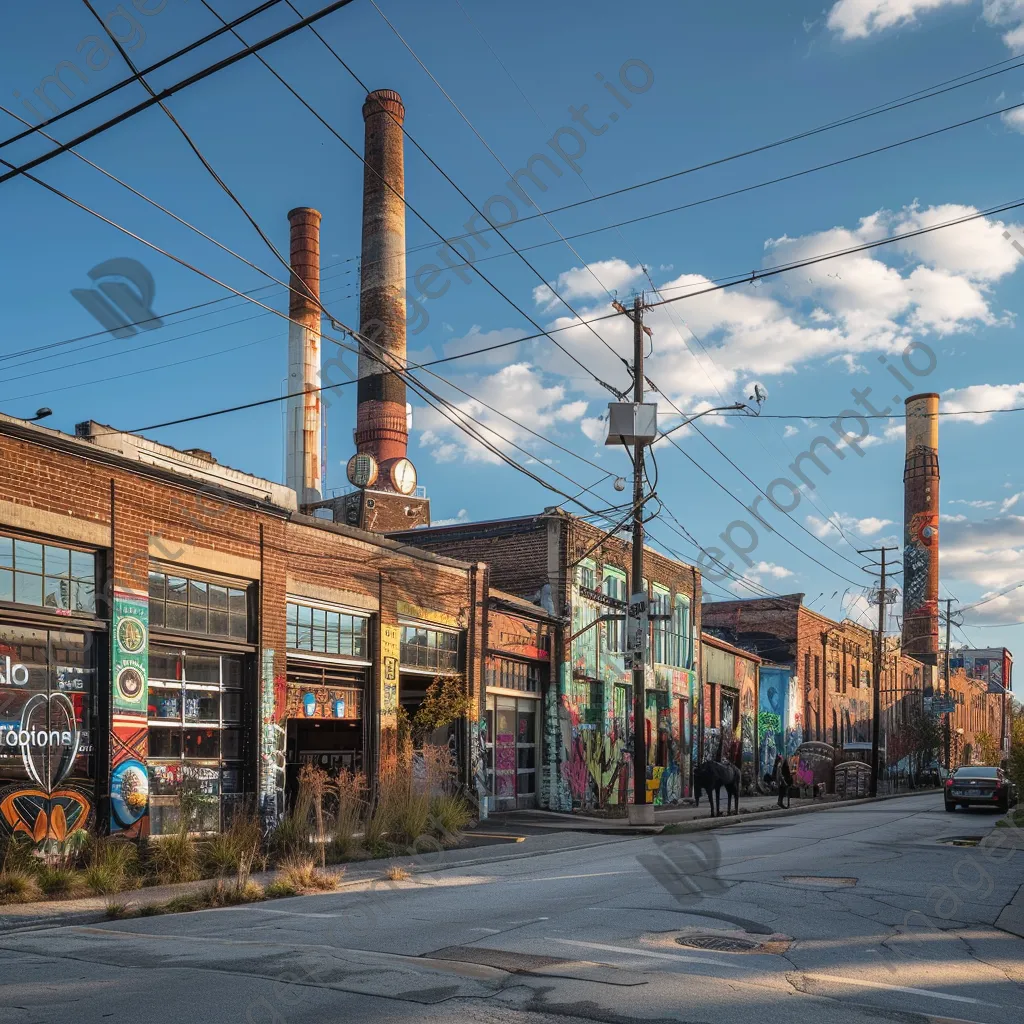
(129, 733)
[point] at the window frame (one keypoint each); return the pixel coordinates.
(177, 581)
(63, 554)
(318, 618)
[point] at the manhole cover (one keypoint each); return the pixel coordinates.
(961, 840)
(719, 943)
(826, 881)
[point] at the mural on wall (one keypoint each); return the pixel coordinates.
(557, 793)
(390, 652)
(991, 666)
(331, 702)
(920, 584)
(272, 747)
(746, 682)
(779, 723)
(129, 736)
(46, 739)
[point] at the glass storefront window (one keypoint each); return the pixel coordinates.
(196, 702)
(324, 631)
(195, 606)
(48, 686)
(429, 648)
(47, 575)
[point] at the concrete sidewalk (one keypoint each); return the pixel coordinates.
(683, 817)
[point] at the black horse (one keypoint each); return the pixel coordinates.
(712, 777)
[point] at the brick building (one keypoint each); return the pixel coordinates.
(730, 677)
(167, 622)
(831, 661)
(577, 575)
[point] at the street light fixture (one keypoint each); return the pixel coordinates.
(41, 414)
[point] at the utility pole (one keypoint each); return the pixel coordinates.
(876, 702)
(639, 696)
(635, 425)
(945, 675)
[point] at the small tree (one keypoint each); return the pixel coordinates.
(987, 748)
(446, 701)
(1015, 762)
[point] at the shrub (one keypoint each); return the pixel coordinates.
(17, 853)
(449, 816)
(59, 881)
(279, 889)
(304, 876)
(113, 866)
(175, 858)
(117, 910)
(348, 815)
(17, 886)
(396, 873)
(234, 849)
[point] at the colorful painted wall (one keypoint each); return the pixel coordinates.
(779, 715)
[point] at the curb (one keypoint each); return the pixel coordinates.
(19, 923)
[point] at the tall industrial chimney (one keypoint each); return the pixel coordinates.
(380, 469)
(304, 458)
(921, 529)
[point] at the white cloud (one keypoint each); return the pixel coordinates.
(790, 431)
(866, 527)
(477, 338)
(1010, 502)
(1014, 119)
(517, 390)
(857, 19)
(973, 504)
(778, 572)
(981, 396)
(461, 517)
(589, 282)
(990, 554)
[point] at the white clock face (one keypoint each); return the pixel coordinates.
(403, 476)
(362, 470)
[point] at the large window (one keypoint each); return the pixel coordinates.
(47, 575)
(429, 648)
(661, 605)
(323, 631)
(680, 648)
(614, 586)
(586, 574)
(509, 674)
(195, 606)
(47, 688)
(195, 733)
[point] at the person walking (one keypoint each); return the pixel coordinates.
(783, 779)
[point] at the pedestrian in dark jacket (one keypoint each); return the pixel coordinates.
(783, 779)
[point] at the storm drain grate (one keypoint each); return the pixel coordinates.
(825, 881)
(720, 943)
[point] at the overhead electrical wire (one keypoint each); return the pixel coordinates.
(171, 90)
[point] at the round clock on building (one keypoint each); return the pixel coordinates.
(362, 470)
(403, 476)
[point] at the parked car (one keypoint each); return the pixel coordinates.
(979, 787)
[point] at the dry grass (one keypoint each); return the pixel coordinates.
(396, 873)
(18, 886)
(302, 874)
(175, 858)
(57, 882)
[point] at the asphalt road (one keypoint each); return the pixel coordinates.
(849, 915)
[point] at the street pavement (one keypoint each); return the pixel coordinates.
(883, 911)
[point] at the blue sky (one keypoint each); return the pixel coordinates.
(726, 77)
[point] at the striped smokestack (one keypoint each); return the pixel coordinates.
(381, 429)
(304, 459)
(921, 529)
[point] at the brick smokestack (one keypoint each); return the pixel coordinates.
(921, 529)
(304, 440)
(381, 429)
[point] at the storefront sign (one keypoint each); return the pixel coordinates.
(13, 673)
(390, 651)
(413, 611)
(131, 652)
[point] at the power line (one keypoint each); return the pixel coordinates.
(241, 19)
(170, 90)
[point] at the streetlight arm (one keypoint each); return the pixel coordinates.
(735, 407)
